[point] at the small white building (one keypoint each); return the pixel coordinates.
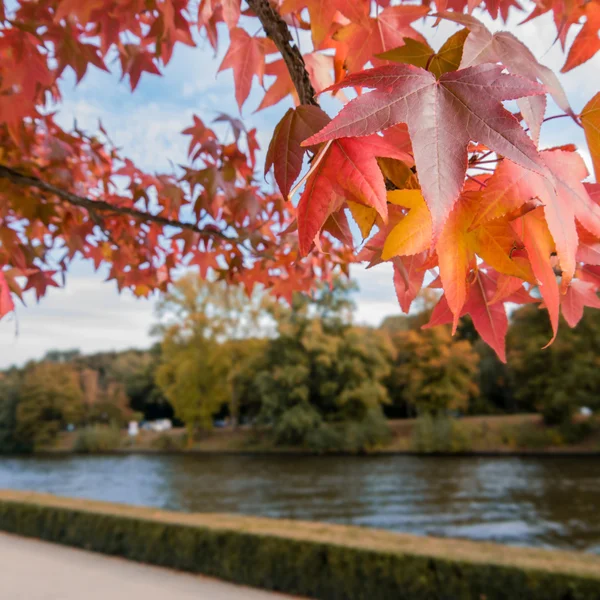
(133, 429)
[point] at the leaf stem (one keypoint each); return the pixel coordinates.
(481, 183)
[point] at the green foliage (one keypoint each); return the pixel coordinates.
(97, 438)
(135, 370)
(306, 563)
(202, 324)
(50, 397)
(9, 399)
(167, 442)
(432, 372)
(319, 384)
(561, 378)
(193, 376)
(439, 434)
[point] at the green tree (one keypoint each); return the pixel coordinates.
(433, 373)
(319, 382)
(9, 399)
(50, 397)
(199, 321)
(561, 378)
(135, 371)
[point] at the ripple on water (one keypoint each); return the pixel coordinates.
(549, 502)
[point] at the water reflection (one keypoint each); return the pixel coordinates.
(550, 502)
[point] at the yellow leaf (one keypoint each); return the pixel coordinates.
(590, 119)
(398, 173)
(413, 233)
(412, 52)
(363, 215)
(422, 55)
(494, 242)
(450, 54)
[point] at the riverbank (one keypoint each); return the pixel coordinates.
(482, 435)
(317, 560)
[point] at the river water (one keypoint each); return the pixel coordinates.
(550, 502)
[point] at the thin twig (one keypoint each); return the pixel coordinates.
(278, 31)
(101, 205)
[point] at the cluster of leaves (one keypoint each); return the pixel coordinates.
(37, 404)
(438, 174)
(320, 382)
(68, 388)
(563, 378)
(433, 373)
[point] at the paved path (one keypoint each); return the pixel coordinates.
(35, 570)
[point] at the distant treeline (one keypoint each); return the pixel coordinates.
(305, 374)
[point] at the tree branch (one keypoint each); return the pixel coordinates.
(277, 30)
(100, 205)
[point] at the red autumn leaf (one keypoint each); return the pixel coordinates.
(442, 117)
(322, 13)
(6, 302)
(346, 167)
(579, 295)
(489, 318)
(564, 197)
(363, 41)
(409, 273)
(482, 47)
(135, 61)
(285, 150)
(246, 56)
(587, 42)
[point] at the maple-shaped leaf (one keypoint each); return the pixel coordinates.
(481, 46)
(6, 302)
(409, 272)
(420, 54)
(489, 318)
(360, 43)
(590, 119)
(322, 14)
(579, 295)
(344, 168)
(285, 150)
(412, 235)
(443, 116)
(135, 60)
(563, 196)
(246, 56)
(587, 42)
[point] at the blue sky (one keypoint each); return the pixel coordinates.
(89, 313)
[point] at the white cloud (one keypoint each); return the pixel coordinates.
(88, 313)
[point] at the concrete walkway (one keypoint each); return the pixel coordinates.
(35, 570)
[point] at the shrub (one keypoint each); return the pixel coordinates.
(167, 442)
(97, 438)
(439, 434)
(533, 436)
(327, 562)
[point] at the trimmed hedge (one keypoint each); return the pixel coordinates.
(327, 562)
